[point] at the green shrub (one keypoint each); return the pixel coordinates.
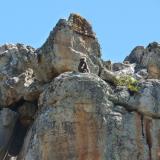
(128, 81)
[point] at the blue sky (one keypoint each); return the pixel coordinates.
(120, 25)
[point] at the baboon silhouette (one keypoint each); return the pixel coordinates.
(83, 67)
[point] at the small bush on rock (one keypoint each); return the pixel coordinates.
(128, 81)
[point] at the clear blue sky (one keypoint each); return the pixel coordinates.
(120, 25)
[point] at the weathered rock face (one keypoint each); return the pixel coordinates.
(132, 136)
(136, 136)
(78, 120)
(50, 111)
(136, 55)
(22, 67)
(8, 119)
(147, 58)
(71, 124)
(148, 99)
(16, 74)
(67, 43)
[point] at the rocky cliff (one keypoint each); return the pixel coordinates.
(51, 111)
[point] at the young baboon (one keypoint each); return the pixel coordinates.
(83, 67)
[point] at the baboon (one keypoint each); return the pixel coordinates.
(83, 68)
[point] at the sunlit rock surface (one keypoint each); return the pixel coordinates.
(50, 111)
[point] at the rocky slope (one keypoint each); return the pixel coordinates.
(51, 111)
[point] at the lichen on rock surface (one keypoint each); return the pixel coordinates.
(50, 111)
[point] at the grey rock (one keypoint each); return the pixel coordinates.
(119, 66)
(148, 99)
(108, 75)
(145, 102)
(72, 114)
(147, 58)
(128, 70)
(136, 55)
(8, 119)
(16, 73)
(70, 104)
(26, 113)
(141, 74)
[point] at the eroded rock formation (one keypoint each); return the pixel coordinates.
(148, 57)
(50, 111)
(69, 41)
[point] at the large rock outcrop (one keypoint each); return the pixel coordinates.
(78, 119)
(71, 123)
(16, 74)
(69, 41)
(50, 111)
(148, 57)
